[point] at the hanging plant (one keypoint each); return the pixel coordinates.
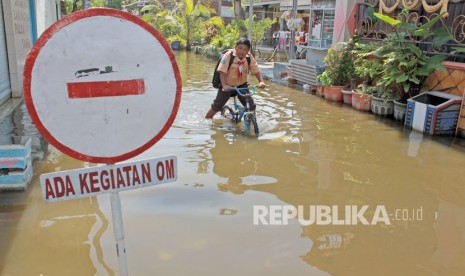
(293, 24)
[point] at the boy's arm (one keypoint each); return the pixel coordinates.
(255, 70)
(224, 85)
(260, 80)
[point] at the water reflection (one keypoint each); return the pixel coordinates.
(309, 153)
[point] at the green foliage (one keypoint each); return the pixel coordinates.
(97, 3)
(226, 37)
(458, 50)
(75, 5)
(367, 65)
(189, 21)
(366, 89)
(226, 41)
(164, 22)
(114, 4)
(259, 27)
(406, 67)
(339, 64)
(324, 79)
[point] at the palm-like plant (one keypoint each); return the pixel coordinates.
(192, 17)
(186, 21)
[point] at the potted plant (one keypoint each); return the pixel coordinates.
(367, 68)
(382, 100)
(324, 81)
(361, 97)
(406, 66)
(339, 70)
(354, 48)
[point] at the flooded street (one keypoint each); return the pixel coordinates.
(309, 153)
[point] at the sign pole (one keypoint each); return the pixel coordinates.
(115, 78)
(119, 232)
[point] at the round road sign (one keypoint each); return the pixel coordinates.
(102, 85)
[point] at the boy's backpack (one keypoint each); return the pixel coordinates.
(216, 81)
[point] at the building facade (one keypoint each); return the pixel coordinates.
(21, 22)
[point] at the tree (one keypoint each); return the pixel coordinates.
(163, 21)
(228, 36)
(259, 28)
(239, 15)
(186, 21)
(75, 5)
(191, 16)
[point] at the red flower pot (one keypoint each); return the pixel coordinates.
(333, 93)
(361, 101)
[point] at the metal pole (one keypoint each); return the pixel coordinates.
(292, 42)
(249, 36)
(220, 5)
(87, 4)
(119, 232)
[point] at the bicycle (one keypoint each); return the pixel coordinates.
(273, 57)
(301, 52)
(240, 112)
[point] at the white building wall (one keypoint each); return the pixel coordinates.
(46, 13)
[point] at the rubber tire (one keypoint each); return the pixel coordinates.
(227, 111)
(252, 121)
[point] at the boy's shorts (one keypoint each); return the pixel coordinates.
(222, 98)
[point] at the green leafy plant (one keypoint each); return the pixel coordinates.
(366, 89)
(226, 37)
(259, 27)
(367, 66)
(406, 66)
(187, 21)
(339, 65)
(324, 79)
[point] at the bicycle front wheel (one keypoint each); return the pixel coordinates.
(228, 113)
(252, 123)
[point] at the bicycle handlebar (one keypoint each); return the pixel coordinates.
(252, 90)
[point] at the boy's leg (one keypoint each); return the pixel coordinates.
(221, 99)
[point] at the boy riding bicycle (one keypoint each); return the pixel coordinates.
(235, 75)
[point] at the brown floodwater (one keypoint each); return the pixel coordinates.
(310, 154)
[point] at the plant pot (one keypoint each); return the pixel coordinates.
(313, 90)
(361, 101)
(347, 96)
(399, 110)
(433, 112)
(333, 93)
(320, 91)
(382, 107)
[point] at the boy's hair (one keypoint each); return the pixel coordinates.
(243, 41)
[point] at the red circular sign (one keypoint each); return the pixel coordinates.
(102, 85)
